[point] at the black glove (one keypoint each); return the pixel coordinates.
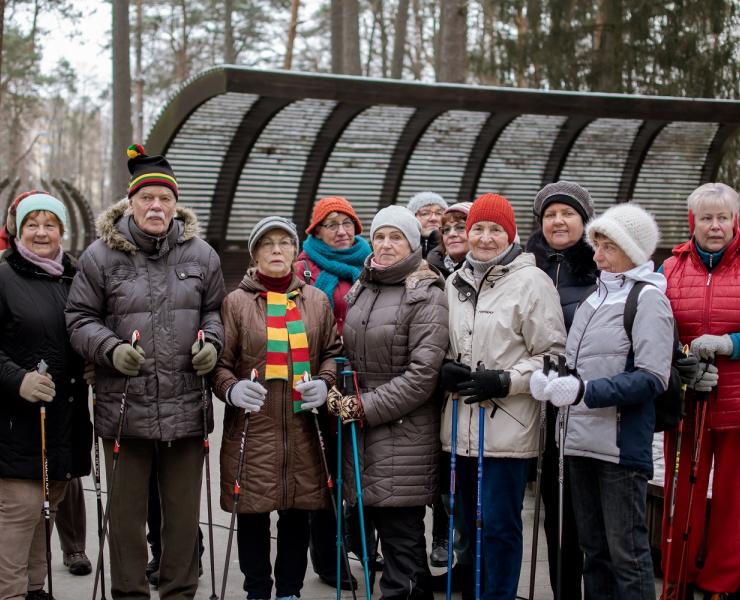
(484, 385)
(688, 368)
(452, 374)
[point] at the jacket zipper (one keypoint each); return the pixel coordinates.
(285, 445)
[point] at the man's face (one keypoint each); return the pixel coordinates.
(153, 208)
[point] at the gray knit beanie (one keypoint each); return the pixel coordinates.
(402, 219)
(566, 192)
(422, 199)
(263, 226)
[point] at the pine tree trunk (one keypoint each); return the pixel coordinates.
(121, 134)
(606, 71)
(454, 65)
(337, 38)
(288, 63)
(139, 77)
(399, 39)
(2, 30)
(351, 37)
(229, 49)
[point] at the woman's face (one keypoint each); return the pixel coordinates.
(454, 237)
(562, 226)
(609, 257)
(713, 226)
(275, 253)
(41, 233)
(390, 246)
(487, 240)
(336, 230)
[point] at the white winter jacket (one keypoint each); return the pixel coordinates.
(510, 322)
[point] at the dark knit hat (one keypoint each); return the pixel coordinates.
(565, 192)
(495, 208)
(148, 170)
(331, 204)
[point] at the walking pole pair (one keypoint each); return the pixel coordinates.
(562, 424)
(135, 340)
(453, 468)
(98, 492)
(538, 484)
(341, 547)
(42, 369)
(351, 387)
(206, 457)
(237, 491)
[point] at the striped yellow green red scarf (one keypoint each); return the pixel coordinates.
(285, 330)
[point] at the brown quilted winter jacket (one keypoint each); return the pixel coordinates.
(396, 335)
(282, 466)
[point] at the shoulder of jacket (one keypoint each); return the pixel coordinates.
(424, 277)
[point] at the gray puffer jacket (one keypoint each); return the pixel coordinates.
(396, 336)
(168, 289)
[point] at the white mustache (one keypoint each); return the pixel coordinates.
(157, 214)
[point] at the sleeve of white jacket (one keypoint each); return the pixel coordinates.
(542, 328)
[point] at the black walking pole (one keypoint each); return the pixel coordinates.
(98, 492)
(42, 369)
(562, 372)
(237, 491)
(135, 339)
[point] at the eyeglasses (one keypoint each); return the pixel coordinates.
(459, 228)
(347, 225)
(425, 214)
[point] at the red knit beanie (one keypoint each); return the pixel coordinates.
(329, 205)
(492, 207)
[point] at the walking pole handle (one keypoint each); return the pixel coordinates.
(562, 366)
(547, 364)
(201, 339)
(135, 338)
(42, 367)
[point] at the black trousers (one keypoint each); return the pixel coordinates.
(253, 540)
(401, 533)
(572, 556)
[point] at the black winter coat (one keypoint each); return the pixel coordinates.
(572, 270)
(33, 328)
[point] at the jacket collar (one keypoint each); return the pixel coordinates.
(250, 283)
(21, 265)
(579, 257)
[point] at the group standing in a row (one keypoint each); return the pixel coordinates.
(442, 306)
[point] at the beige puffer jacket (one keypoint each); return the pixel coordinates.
(509, 323)
(396, 337)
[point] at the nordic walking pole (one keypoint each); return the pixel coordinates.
(562, 372)
(330, 486)
(453, 466)
(358, 485)
(546, 365)
(700, 420)
(135, 339)
(42, 369)
(674, 483)
(206, 457)
(98, 492)
(237, 491)
(479, 499)
(341, 366)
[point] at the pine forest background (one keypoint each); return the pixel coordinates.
(59, 123)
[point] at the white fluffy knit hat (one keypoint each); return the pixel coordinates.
(629, 226)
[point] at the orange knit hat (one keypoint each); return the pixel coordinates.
(492, 207)
(329, 205)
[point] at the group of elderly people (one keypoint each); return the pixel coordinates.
(443, 303)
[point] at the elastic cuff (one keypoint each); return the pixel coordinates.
(227, 395)
(581, 392)
(104, 353)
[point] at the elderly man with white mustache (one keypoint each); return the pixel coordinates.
(149, 271)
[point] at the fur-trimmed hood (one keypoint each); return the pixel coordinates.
(110, 232)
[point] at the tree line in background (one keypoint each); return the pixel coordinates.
(60, 124)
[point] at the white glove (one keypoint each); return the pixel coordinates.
(312, 392)
(537, 383)
(707, 378)
(706, 346)
(564, 391)
(246, 394)
(35, 387)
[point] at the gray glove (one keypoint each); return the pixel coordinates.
(706, 346)
(312, 392)
(36, 386)
(127, 359)
(707, 379)
(204, 359)
(246, 394)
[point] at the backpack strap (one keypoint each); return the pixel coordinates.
(630, 307)
(306, 273)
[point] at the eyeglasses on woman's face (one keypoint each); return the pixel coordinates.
(333, 226)
(457, 228)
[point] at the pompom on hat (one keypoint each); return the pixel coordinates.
(148, 170)
(630, 227)
(328, 205)
(495, 208)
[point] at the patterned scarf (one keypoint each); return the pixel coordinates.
(285, 330)
(335, 263)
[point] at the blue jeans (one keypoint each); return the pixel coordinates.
(609, 504)
(504, 481)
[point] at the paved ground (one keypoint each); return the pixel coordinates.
(69, 587)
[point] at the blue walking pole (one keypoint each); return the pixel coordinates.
(341, 364)
(479, 499)
(453, 465)
(358, 485)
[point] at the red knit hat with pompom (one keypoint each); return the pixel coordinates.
(331, 204)
(492, 207)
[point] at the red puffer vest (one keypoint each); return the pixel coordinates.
(706, 302)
